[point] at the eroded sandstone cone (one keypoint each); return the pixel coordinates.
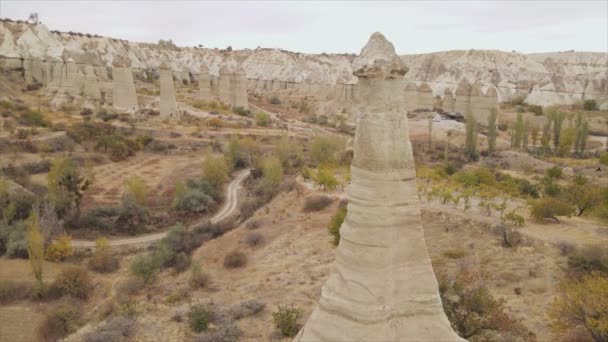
(168, 103)
(382, 286)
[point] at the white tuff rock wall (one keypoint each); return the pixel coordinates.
(549, 78)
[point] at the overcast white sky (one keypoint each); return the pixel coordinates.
(307, 26)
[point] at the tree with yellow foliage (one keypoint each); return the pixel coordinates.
(35, 245)
(60, 248)
(215, 169)
(582, 304)
(137, 189)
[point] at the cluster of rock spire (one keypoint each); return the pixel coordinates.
(66, 81)
(382, 286)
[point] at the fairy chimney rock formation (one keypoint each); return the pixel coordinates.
(204, 83)
(381, 286)
(168, 104)
(239, 89)
(123, 87)
(225, 82)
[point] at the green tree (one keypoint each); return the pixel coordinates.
(590, 105)
(518, 132)
(545, 139)
(534, 136)
(66, 185)
(289, 153)
(566, 142)
(243, 152)
(582, 304)
(324, 149)
(35, 246)
(471, 136)
(582, 132)
(215, 169)
(492, 131)
(273, 174)
(583, 195)
(558, 121)
(549, 207)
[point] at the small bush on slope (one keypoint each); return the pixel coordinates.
(286, 320)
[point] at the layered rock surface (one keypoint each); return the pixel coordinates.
(168, 104)
(382, 286)
(124, 96)
(548, 78)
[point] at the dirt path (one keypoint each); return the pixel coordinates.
(227, 209)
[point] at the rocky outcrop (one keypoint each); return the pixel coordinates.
(124, 96)
(238, 96)
(233, 87)
(92, 90)
(381, 286)
(168, 104)
(204, 83)
(224, 84)
(544, 79)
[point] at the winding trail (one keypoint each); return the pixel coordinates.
(227, 209)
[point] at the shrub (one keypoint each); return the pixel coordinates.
(235, 259)
(103, 261)
(198, 317)
(86, 111)
(252, 224)
(582, 304)
(335, 223)
(588, 259)
(215, 169)
(316, 203)
(241, 111)
(262, 119)
(455, 253)
(565, 247)
(32, 118)
(182, 262)
(137, 189)
(324, 149)
(603, 158)
(286, 320)
(11, 291)
(254, 239)
(590, 105)
(274, 100)
(129, 287)
(198, 278)
(536, 109)
(472, 310)
(74, 282)
(60, 248)
(131, 216)
(325, 179)
(144, 267)
(549, 207)
(216, 123)
(246, 308)
(554, 172)
(229, 332)
(114, 329)
(59, 321)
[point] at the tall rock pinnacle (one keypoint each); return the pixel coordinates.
(381, 286)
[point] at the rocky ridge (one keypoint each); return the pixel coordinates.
(544, 78)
